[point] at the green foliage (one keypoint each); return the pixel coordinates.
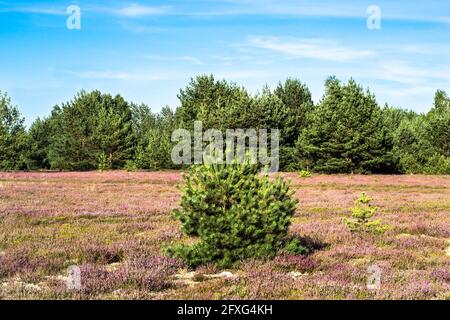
(391, 120)
(296, 246)
(305, 174)
(421, 144)
(103, 162)
(218, 104)
(344, 131)
(437, 164)
(159, 147)
(223, 105)
(38, 142)
(298, 103)
(143, 122)
(414, 150)
(90, 125)
(112, 131)
(234, 212)
(13, 140)
(153, 137)
(439, 123)
(362, 212)
(131, 166)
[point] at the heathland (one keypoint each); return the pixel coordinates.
(114, 225)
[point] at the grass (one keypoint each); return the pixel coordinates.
(114, 224)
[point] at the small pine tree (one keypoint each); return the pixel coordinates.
(305, 174)
(103, 163)
(130, 166)
(362, 212)
(235, 213)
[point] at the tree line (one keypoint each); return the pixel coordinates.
(347, 131)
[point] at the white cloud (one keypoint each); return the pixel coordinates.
(419, 12)
(417, 90)
(141, 28)
(436, 49)
(133, 10)
(244, 74)
(178, 58)
(404, 72)
(114, 75)
(137, 10)
(309, 48)
(278, 7)
(35, 10)
(168, 75)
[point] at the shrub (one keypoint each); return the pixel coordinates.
(235, 213)
(264, 284)
(98, 254)
(305, 174)
(437, 164)
(296, 246)
(151, 273)
(361, 213)
(288, 262)
(102, 162)
(131, 166)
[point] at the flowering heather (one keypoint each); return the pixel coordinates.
(114, 226)
(295, 263)
(89, 193)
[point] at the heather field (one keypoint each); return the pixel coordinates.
(114, 225)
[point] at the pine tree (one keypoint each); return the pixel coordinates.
(218, 104)
(415, 151)
(344, 132)
(362, 213)
(236, 214)
(39, 136)
(113, 133)
(391, 119)
(92, 124)
(439, 123)
(12, 136)
(298, 103)
(71, 146)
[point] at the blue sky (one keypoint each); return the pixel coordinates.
(148, 50)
